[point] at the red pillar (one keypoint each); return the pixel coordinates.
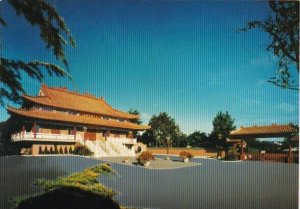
(242, 150)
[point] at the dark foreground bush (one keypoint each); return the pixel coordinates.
(81, 150)
(68, 198)
(77, 191)
(232, 155)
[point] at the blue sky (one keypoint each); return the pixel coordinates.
(184, 58)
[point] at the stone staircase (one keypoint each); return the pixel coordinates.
(107, 148)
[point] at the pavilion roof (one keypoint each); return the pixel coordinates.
(78, 119)
(62, 98)
(265, 131)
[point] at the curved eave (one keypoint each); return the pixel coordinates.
(264, 132)
(62, 117)
(47, 102)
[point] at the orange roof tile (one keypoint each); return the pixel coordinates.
(265, 131)
(62, 98)
(59, 116)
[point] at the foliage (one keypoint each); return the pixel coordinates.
(163, 126)
(85, 180)
(223, 124)
(60, 150)
(78, 190)
(66, 150)
(81, 150)
(145, 156)
(46, 151)
(136, 121)
(232, 154)
(40, 150)
(282, 26)
(197, 139)
(135, 112)
(54, 33)
(55, 149)
(51, 150)
(70, 150)
(185, 154)
(68, 197)
(181, 141)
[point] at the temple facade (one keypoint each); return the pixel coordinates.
(58, 119)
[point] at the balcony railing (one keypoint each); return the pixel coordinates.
(121, 140)
(30, 136)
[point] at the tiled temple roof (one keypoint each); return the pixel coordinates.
(79, 119)
(62, 98)
(265, 131)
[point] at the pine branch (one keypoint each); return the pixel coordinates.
(11, 72)
(52, 26)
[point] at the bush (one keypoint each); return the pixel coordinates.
(46, 151)
(232, 154)
(51, 150)
(66, 150)
(55, 149)
(82, 150)
(70, 150)
(145, 156)
(184, 154)
(61, 150)
(40, 150)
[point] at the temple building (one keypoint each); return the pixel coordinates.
(60, 118)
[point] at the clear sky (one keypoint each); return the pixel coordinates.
(182, 57)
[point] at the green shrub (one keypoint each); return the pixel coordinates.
(51, 150)
(232, 154)
(85, 181)
(70, 150)
(61, 150)
(82, 150)
(55, 150)
(46, 151)
(40, 150)
(66, 150)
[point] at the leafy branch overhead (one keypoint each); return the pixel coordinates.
(282, 26)
(54, 33)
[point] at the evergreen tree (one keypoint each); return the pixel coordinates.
(54, 33)
(223, 124)
(51, 150)
(70, 150)
(163, 127)
(55, 149)
(61, 150)
(46, 150)
(66, 150)
(40, 150)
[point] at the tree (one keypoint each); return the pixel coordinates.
(282, 26)
(54, 33)
(197, 139)
(136, 121)
(135, 112)
(163, 127)
(223, 124)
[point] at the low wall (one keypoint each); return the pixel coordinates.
(176, 151)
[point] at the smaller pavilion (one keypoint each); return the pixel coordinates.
(289, 132)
